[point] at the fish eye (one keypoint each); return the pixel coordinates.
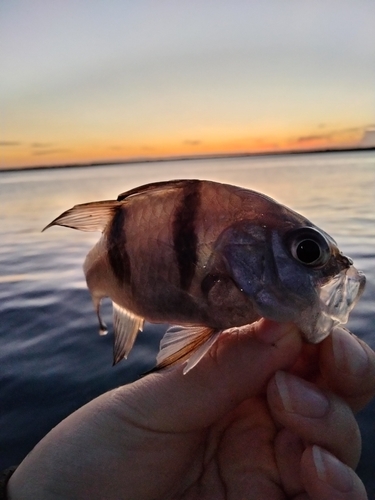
(309, 247)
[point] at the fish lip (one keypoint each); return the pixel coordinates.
(346, 261)
(337, 298)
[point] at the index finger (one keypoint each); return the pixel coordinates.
(347, 367)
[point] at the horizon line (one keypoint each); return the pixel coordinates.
(207, 156)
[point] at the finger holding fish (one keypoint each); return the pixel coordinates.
(315, 415)
(321, 474)
(341, 363)
(347, 368)
(321, 413)
(326, 478)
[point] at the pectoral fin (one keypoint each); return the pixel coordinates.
(87, 217)
(181, 344)
(126, 326)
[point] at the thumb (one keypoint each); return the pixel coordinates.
(237, 367)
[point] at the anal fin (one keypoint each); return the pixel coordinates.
(126, 326)
(181, 344)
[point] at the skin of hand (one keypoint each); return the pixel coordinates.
(262, 416)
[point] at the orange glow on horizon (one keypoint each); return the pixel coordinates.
(44, 154)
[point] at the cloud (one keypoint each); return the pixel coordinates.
(333, 135)
(314, 137)
(41, 144)
(9, 143)
(368, 138)
(49, 151)
(350, 130)
(193, 142)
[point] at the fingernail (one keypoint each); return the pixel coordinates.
(270, 332)
(299, 396)
(348, 353)
(332, 471)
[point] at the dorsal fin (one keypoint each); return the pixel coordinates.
(88, 216)
(155, 186)
(95, 216)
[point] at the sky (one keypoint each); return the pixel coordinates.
(101, 80)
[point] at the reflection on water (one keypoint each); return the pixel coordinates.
(52, 360)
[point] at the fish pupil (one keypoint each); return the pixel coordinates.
(308, 251)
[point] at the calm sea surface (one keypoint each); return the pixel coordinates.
(52, 360)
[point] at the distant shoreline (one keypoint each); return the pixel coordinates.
(135, 161)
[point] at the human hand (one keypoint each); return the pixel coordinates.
(241, 424)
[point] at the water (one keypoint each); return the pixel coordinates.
(52, 360)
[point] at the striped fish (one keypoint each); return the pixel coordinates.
(210, 257)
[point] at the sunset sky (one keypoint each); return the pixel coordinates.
(95, 80)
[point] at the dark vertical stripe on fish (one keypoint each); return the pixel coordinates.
(117, 252)
(184, 236)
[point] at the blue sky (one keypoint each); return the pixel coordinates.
(96, 80)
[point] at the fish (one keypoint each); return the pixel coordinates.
(207, 257)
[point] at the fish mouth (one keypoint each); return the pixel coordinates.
(337, 298)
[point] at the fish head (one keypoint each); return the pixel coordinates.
(292, 271)
(308, 256)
